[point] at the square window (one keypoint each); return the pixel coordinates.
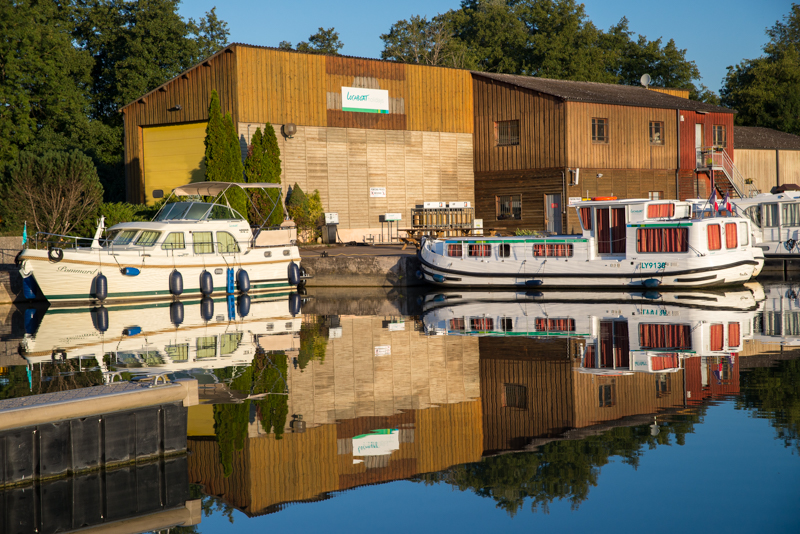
(599, 130)
(720, 137)
(655, 195)
(656, 133)
(515, 396)
(506, 133)
(508, 207)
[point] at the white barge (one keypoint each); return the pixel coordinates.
(776, 222)
(191, 248)
(624, 243)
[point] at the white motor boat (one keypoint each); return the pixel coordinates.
(191, 248)
(776, 223)
(625, 243)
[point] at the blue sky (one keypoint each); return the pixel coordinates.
(716, 33)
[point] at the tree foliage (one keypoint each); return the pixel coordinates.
(223, 156)
(766, 91)
(545, 38)
(53, 192)
(305, 210)
(325, 41)
(263, 164)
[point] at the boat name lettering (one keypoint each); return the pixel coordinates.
(653, 265)
(653, 312)
(65, 269)
(637, 211)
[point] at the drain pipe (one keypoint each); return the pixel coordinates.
(678, 168)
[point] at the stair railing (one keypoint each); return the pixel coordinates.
(717, 159)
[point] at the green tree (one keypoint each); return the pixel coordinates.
(426, 42)
(263, 164)
(766, 91)
(54, 192)
(305, 210)
(223, 157)
(322, 42)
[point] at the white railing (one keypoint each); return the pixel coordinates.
(717, 159)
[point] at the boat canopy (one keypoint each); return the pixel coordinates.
(196, 211)
(215, 188)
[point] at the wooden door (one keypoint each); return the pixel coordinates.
(552, 213)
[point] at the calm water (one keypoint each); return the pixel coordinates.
(475, 411)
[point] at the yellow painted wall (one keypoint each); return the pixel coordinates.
(173, 156)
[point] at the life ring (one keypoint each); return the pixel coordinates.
(55, 254)
(604, 198)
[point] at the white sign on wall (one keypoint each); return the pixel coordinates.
(365, 100)
(377, 442)
(377, 192)
(574, 200)
(383, 350)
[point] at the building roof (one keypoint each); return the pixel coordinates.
(764, 138)
(604, 93)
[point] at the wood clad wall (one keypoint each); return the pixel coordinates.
(759, 166)
(343, 163)
(633, 395)
(548, 384)
(531, 186)
(192, 91)
(789, 164)
(541, 127)
(708, 120)
(683, 93)
(628, 144)
(352, 382)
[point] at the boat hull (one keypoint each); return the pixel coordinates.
(71, 280)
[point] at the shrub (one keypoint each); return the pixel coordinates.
(305, 210)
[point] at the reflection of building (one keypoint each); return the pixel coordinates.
(533, 388)
(420, 390)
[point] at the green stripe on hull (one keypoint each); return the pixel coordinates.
(164, 304)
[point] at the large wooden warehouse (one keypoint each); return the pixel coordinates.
(518, 147)
(364, 164)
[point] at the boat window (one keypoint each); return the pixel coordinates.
(714, 237)
(554, 325)
(206, 347)
(557, 250)
(716, 337)
(227, 243)
(745, 233)
(790, 214)
(479, 250)
(481, 324)
(611, 230)
(457, 324)
(733, 335)
(731, 239)
(770, 215)
(196, 211)
(656, 211)
(662, 240)
(586, 218)
(203, 243)
(173, 241)
(754, 214)
(223, 213)
(229, 343)
(455, 250)
(507, 324)
(504, 250)
(174, 211)
(178, 353)
(665, 336)
(148, 238)
(124, 237)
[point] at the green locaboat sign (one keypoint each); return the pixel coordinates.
(363, 100)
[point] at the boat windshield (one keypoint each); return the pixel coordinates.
(196, 211)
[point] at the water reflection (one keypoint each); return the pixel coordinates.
(299, 409)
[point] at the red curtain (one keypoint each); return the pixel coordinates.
(621, 344)
(606, 344)
(563, 250)
(660, 210)
(588, 360)
(676, 239)
(717, 334)
(480, 250)
(586, 217)
(603, 231)
(648, 239)
(714, 239)
(454, 249)
(618, 230)
(731, 239)
(481, 323)
(457, 324)
(555, 325)
(733, 335)
(665, 336)
(665, 361)
(662, 239)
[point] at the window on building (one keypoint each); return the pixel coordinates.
(514, 396)
(504, 250)
(509, 207)
(599, 130)
(479, 250)
(607, 395)
(173, 241)
(662, 240)
(731, 237)
(663, 385)
(714, 237)
(720, 138)
(655, 195)
(656, 133)
(506, 133)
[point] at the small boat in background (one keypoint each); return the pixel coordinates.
(776, 222)
(625, 243)
(191, 248)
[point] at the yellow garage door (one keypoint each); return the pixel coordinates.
(173, 156)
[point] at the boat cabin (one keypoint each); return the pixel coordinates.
(776, 217)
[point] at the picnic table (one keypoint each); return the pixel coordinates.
(414, 235)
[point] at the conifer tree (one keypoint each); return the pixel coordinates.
(264, 165)
(215, 141)
(234, 168)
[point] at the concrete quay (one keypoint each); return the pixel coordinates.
(386, 266)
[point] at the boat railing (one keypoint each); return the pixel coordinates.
(48, 240)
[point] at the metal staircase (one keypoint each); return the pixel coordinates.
(716, 159)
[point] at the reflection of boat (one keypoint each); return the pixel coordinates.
(167, 337)
(778, 320)
(632, 243)
(618, 333)
(190, 248)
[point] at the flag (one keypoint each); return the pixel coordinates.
(726, 202)
(712, 200)
(25, 234)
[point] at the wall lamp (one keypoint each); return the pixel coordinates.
(289, 130)
(176, 107)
